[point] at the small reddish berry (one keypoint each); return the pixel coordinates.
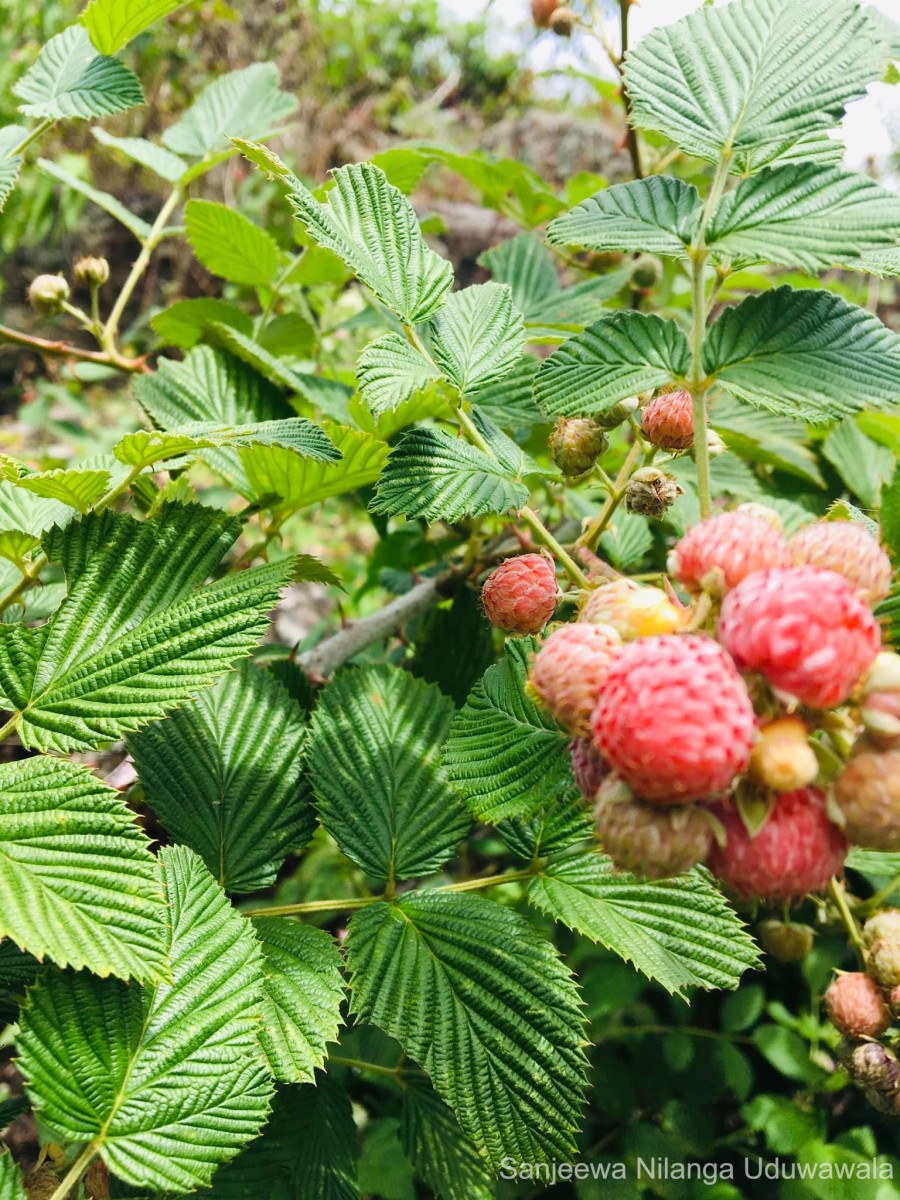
(569, 670)
(797, 850)
(632, 611)
(786, 941)
(575, 445)
(674, 718)
(542, 11)
(867, 792)
(588, 767)
(520, 595)
(806, 630)
(782, 758)
(668, 421)
(651, 841)
(718, 553)
(848, 549)
(872, 1065)
(856, 1007)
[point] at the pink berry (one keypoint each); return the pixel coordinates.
(668, 421)
(569, 670)
(674, 718)
(520, 595)
(718, 553)
(806, 630)
(846, 548)
(797, 851)
(856, 1007)
(588, 767)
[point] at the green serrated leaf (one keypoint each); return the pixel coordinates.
(755, 75)
(133, 223)
(242, 104)
(70, 79)
(9, 173)
(439, 478)
(304, 990)
(184, 322)
(391, 371)
(890, 515)
(307, 1151)
(558, 827)
(680, 932)
(374, 764)
(79, 489)
(373, 228)
(862, 463)
(299, 483)
(804, 216)
(506, 1054)
(288, 335)
(509, 401)
(527, 266)
(113, 23)
(77, 881)
(208, 385)
(626, 540)
(12, 1186)
(441, 1154)
(147, 154)
(767, 438)
(478, 336)
(165, 1082)
(437, 657)
(224, 775)
(229, 244)
(619, 356)
(145, 447)
(803, 353)
(134, 636)
(505, 754)
(657, 215)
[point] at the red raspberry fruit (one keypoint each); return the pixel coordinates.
(718, 553)
(668, 421)
(569, 670)
(806, 630)
(674, 718)
(846, 548)
(649, 840)
(520, 595)
(588, 767)
(796, 851)
(856, 1007)
(868, 794)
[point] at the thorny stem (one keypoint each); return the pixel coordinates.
(111, 328)
(839, 896)
(75, 1172)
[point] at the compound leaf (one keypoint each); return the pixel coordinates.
(274, 471)
(680, 932)
(247, 103)
(390, 371)
(506, 1053)
(224, 775)
(168, 1081)
(70, 79)
(658, 215)
(478, 336)
(78, 884)
(374, 763)
(78, 488)
(443, 1157)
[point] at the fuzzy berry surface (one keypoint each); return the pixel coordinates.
(668, 421)
(848, 549)
(674, 718)
(797, 851)
(868, 794)
(588, 766)
(520, 595)
(805, 629)
(569, 670)
(652, 841)
(856, 1007)
(722, 550)
(575, 445)
(632, 611)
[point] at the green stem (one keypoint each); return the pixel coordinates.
(7, 729)
(489, 881)
(875, 901)
(75, 1172)
(111, 328)
(346, 904)
(638, 1030)
(38, 131)
(595, 529)
(697, 384)
(838, 895)
(359, 1065)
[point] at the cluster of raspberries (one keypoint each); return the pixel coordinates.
(863, 1005)
(756, 730)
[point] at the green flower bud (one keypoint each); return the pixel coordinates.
(47, 295)
(90, 271)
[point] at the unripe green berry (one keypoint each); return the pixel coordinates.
(47, 295)
(646, 272)
(785, 941)
(91, 271)
(576, 444)
(613, 417)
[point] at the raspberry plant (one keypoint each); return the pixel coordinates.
(190, 1012)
